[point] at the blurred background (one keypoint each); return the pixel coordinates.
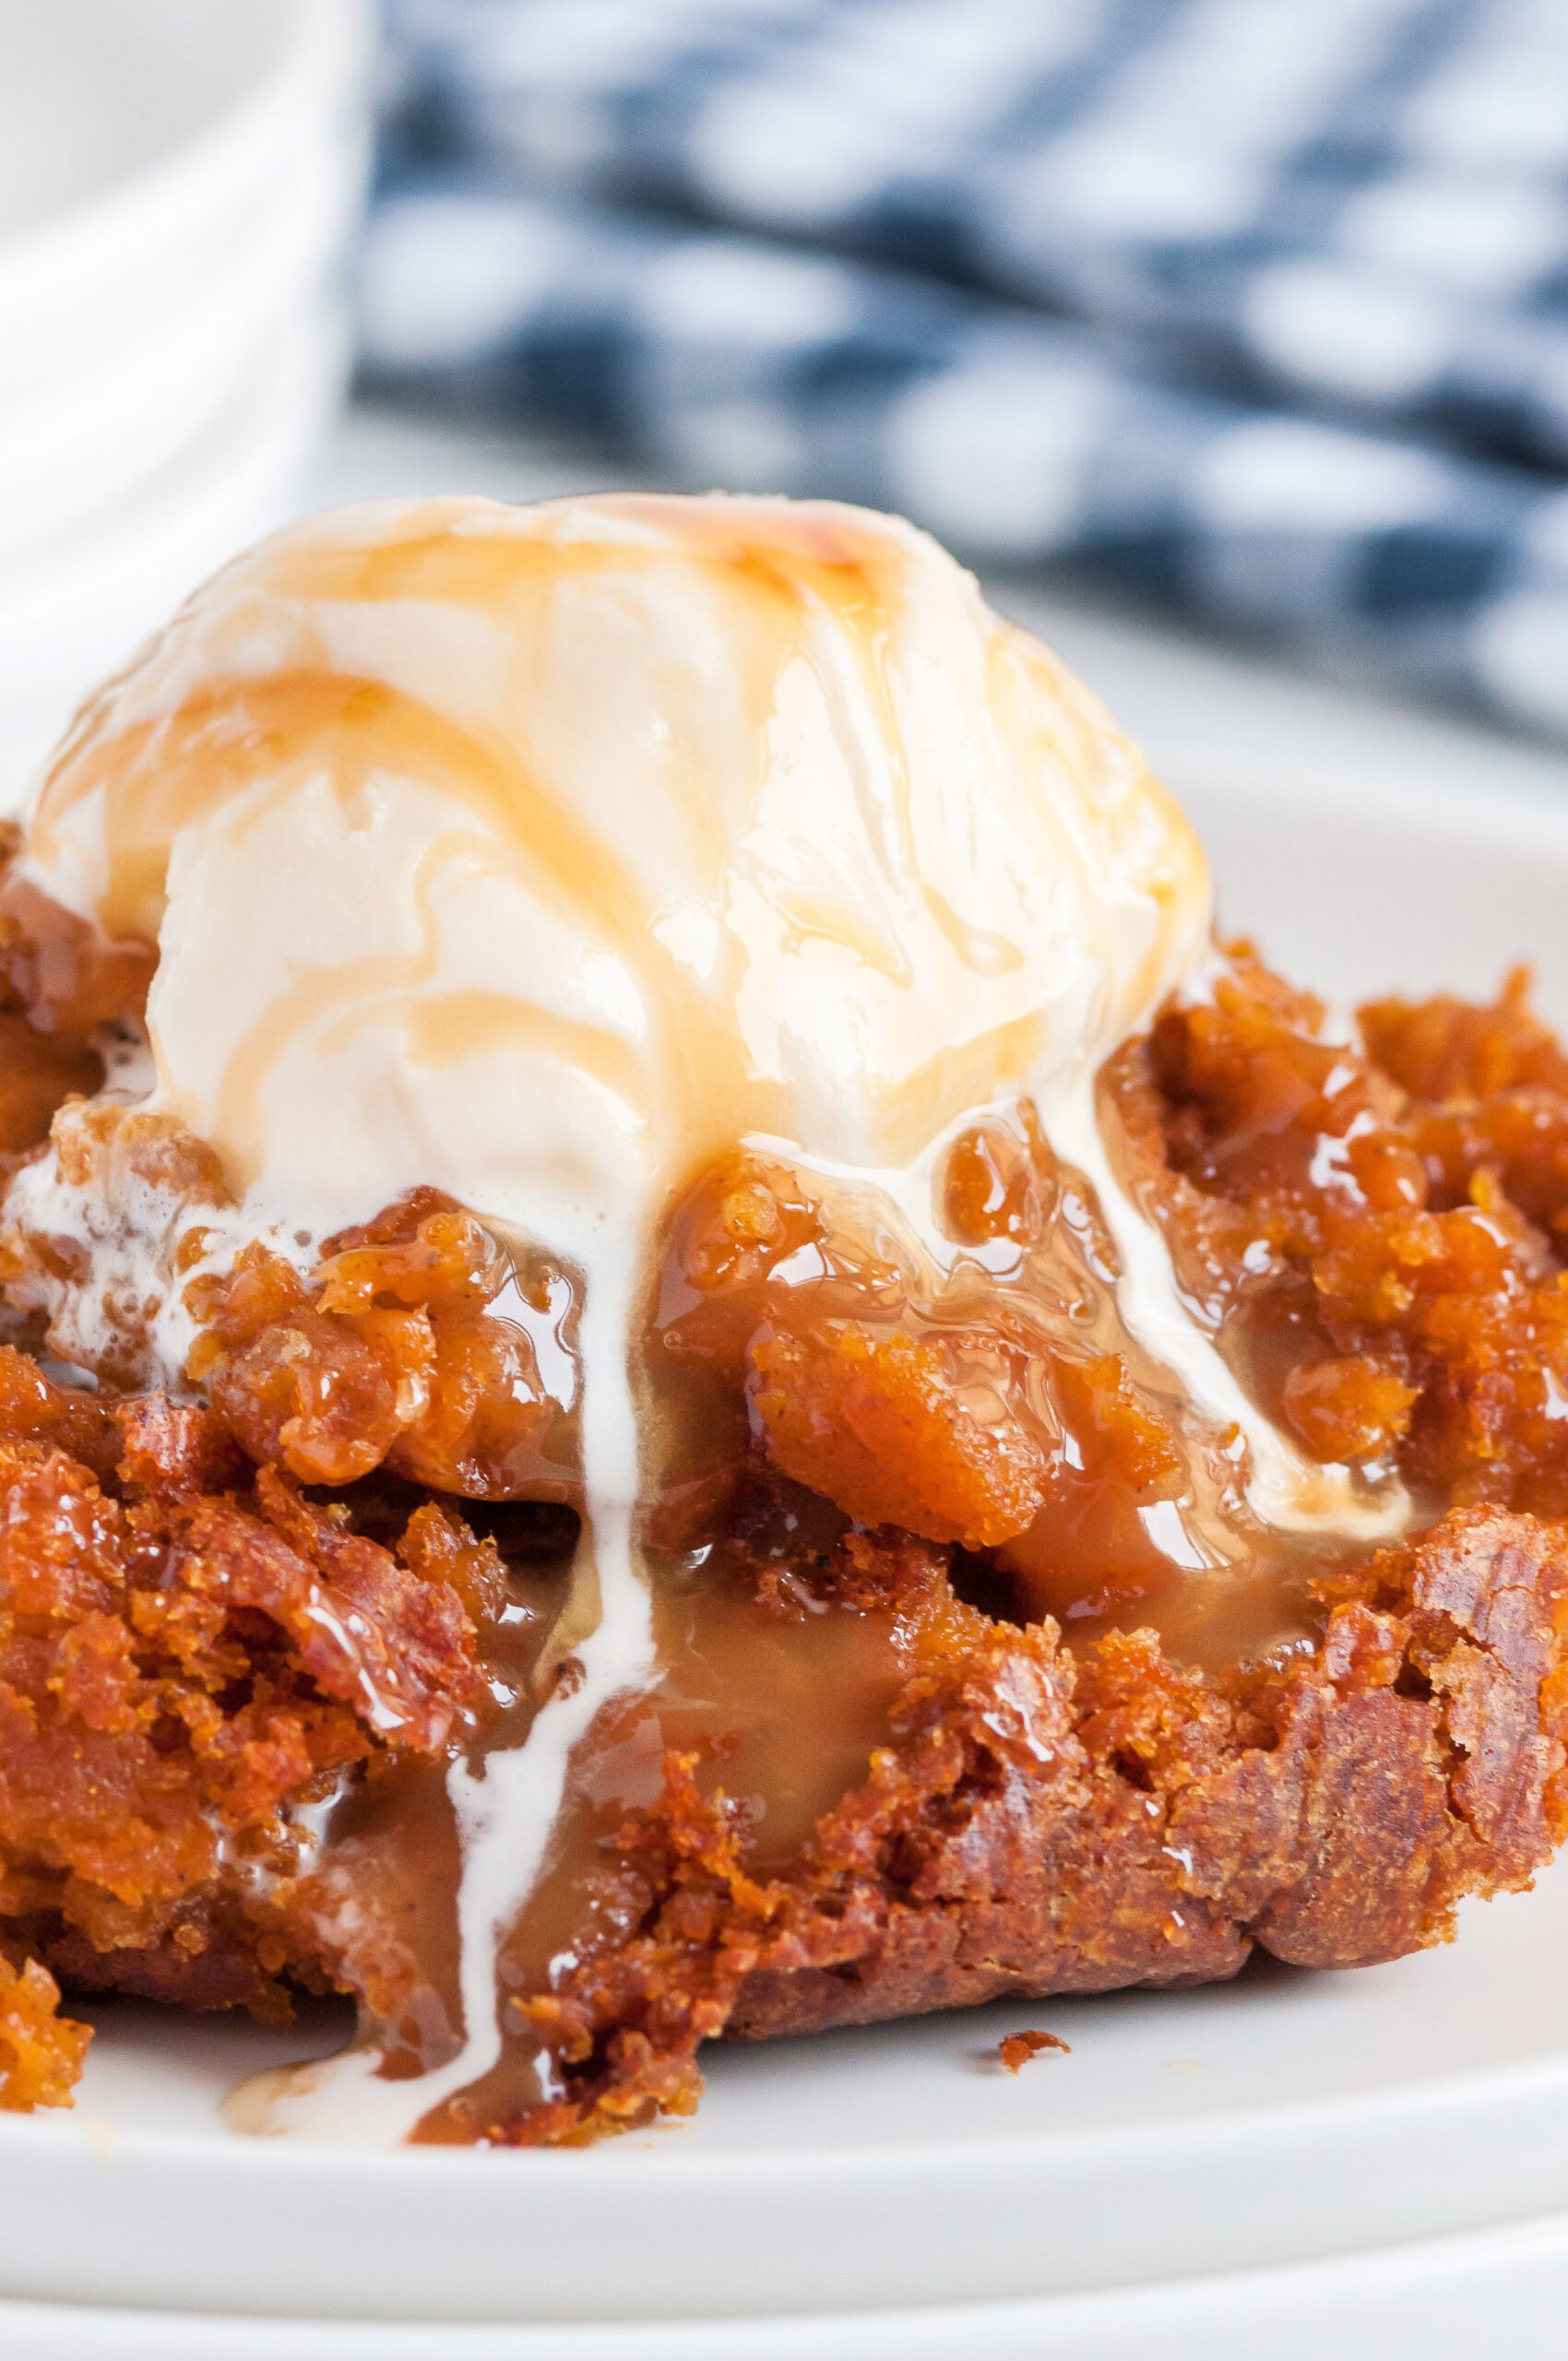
(1227, 338)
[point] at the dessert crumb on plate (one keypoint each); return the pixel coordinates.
(1015, 2049)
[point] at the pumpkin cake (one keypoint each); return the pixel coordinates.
(684, 1359)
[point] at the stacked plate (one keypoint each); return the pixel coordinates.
(178, 182)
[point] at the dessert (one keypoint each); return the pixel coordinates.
(685, 1361)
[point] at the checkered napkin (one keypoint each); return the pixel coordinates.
(1256, 307)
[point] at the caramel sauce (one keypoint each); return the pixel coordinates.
(1142, 1524)
(782, 1704)
(1143, 1517)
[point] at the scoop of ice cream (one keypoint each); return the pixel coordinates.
(539, 854)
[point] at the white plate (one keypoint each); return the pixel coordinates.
(1286, 2120)
(1498, 2292)
(139, 140)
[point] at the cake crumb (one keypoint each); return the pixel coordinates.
(1015, 2049)
(42, 2054)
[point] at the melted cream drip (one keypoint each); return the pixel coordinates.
(1287, 1490)
(541, 855)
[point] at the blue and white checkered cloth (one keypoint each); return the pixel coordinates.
(1257, 308)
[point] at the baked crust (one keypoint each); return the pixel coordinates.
(1043, 1824)
(1050, 1826)
(1036, 1822)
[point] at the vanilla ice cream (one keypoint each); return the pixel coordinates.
(669, 821)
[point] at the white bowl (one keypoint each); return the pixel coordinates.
(69, 618)
(140, 141)
(87, 435)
